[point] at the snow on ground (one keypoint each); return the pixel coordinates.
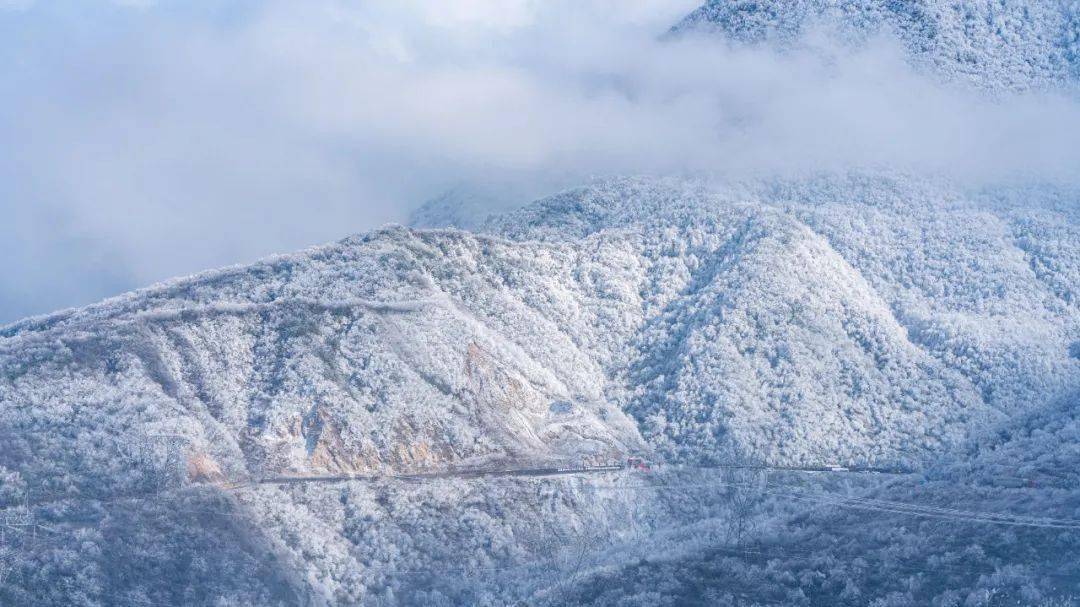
(858, 319)
(866, 318)
(993, 45)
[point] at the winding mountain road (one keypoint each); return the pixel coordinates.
(558, 471)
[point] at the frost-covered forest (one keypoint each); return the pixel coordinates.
(856, 320)
(990, 44)
(867, 318)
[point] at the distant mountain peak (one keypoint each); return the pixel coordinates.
(990, 44)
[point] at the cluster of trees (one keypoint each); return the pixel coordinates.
(855, 320)
(993, 45)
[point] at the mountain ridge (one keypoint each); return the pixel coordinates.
(763, 322)
(996, 46)
(406, 273)
(727, 331)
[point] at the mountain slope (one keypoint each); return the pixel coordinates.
(956, 269)
(860, 318)
(667, 301)
(993, 45)
(873, 551)
(780, 347)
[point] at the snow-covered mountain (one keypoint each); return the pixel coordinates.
(868, 318)
(855, 319)
(991, 44)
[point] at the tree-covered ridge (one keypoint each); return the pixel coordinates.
(1015, 45)
(857, 319)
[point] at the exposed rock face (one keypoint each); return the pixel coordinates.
(202, 468)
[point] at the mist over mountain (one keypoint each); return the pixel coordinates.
(993, 45)
(757, 337)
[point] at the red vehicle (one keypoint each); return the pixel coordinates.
(636, 463)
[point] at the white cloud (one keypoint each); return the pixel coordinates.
(15, 5)
(179, 137)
